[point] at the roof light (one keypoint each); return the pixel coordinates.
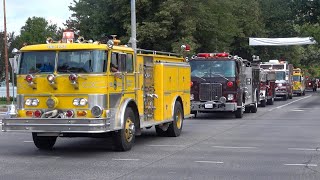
(29, 78)
(222, 54)
(204, 55)
(73, 77)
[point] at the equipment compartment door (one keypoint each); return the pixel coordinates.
(148, 88)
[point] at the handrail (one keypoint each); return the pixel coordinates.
(140, 51)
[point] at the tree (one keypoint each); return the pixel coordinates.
(37, 30)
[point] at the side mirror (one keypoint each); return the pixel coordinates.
(15, 51)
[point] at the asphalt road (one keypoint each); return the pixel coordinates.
(278, 142)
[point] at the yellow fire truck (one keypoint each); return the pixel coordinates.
(88, 89)
(298, 82)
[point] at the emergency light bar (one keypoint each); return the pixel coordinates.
(211, 55)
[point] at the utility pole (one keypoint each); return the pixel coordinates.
(6, 50)
(133, 26)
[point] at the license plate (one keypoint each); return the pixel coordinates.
(208, 106)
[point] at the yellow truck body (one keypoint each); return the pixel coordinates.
(148, 89)
(298, 82)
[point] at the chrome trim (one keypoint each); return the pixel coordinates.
(97, 100)
(119, 119)
(182, 64)
(72, 125)
(20, 101)
(114, 99)
(173, 104)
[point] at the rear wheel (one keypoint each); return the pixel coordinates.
(175, 127)
(124, 138)
(290, 96)
(263, 103)
(44, 142)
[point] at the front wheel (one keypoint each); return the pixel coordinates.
(254, 108)
(270, 101)
(44, 142)
(175, 127)
(239, 112)
(124, 138)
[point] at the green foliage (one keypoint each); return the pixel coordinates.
(37, 30)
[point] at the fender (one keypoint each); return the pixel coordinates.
(174, 103)
(119, 115)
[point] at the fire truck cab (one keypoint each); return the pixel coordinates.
(298, 82)
(284, 70)
(267, 87)
(223, 83)
(88, 89)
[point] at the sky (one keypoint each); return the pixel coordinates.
(18, 11)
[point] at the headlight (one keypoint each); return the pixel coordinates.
(223, 100)
(230, 97)
(279, 84)
(32, 102)
(83, 102)
(96, 111)
(28, 102)
(80, 102)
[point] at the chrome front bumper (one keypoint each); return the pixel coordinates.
(213, 106)
(59, 125)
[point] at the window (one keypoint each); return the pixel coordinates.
(37, 62)
(214, 68)
(129, 63)
(121, 62)
(82, 61)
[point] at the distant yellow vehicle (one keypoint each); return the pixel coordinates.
(298, 82)
(89, 89)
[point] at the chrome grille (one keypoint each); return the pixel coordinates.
(210, 91)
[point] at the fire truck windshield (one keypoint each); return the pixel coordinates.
(37, 62)
(280, 75)
(296, 78)
(82, 61)
(207, 68)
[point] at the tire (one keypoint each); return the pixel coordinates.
(270, 101)
(194, 113)
(263, 103)
(285, 97)
(290, 96)
(303, 93)
(239, 112)
(299, 94)
(124, 138)
(175, 128)
(44, 142)
(254, 108)
(160, 132)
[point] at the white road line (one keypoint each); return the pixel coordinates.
(308, 165)
(210, 162)
(166, 145)
(303, 149)
(289, 103)
(297, 110)
(28, 141)
(234, 147)
(126, 159)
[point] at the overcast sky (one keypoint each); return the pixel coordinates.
(18, 11)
